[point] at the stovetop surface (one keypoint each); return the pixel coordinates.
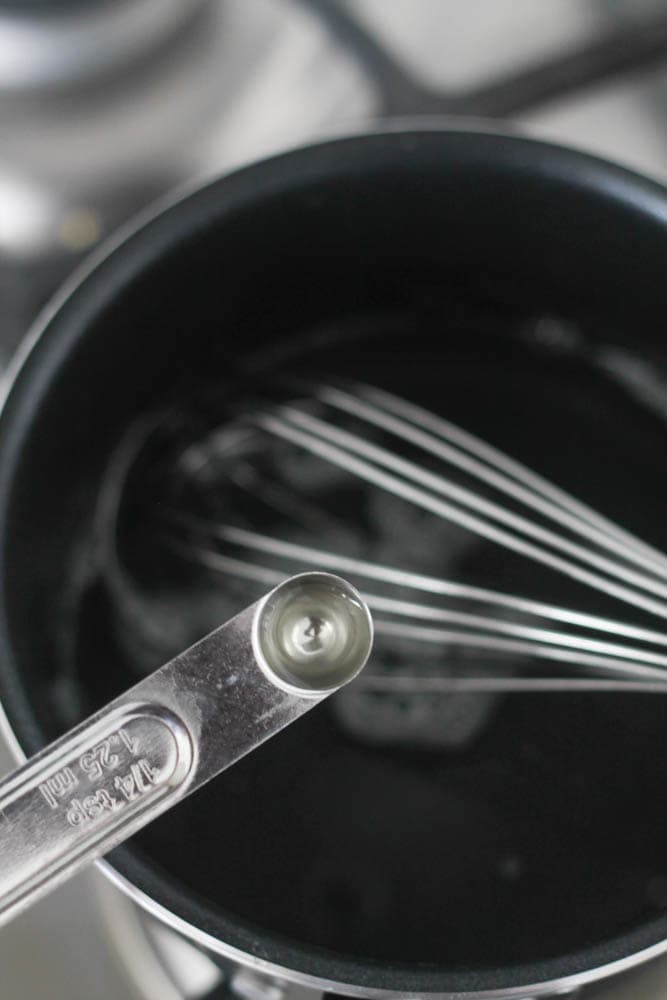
(100, 115)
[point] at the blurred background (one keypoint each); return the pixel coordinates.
(107, 106)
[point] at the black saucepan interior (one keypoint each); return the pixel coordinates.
(431, 264)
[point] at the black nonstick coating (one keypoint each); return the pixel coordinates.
(408, 259)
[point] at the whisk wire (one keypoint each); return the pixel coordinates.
(420, 498)
(444, 487)
(509, 467)
(588, 548)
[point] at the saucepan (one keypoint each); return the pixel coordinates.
(501, 845)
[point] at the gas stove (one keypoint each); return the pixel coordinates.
(107, 107)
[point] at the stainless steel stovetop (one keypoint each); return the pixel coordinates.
(106, 106)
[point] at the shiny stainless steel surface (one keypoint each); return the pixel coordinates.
(175, 730)
(245, 79)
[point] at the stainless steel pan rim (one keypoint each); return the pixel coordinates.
(551, 988)
(618, 182)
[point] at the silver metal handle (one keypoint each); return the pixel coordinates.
(177, 729)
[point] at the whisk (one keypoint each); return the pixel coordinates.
(444, 474)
